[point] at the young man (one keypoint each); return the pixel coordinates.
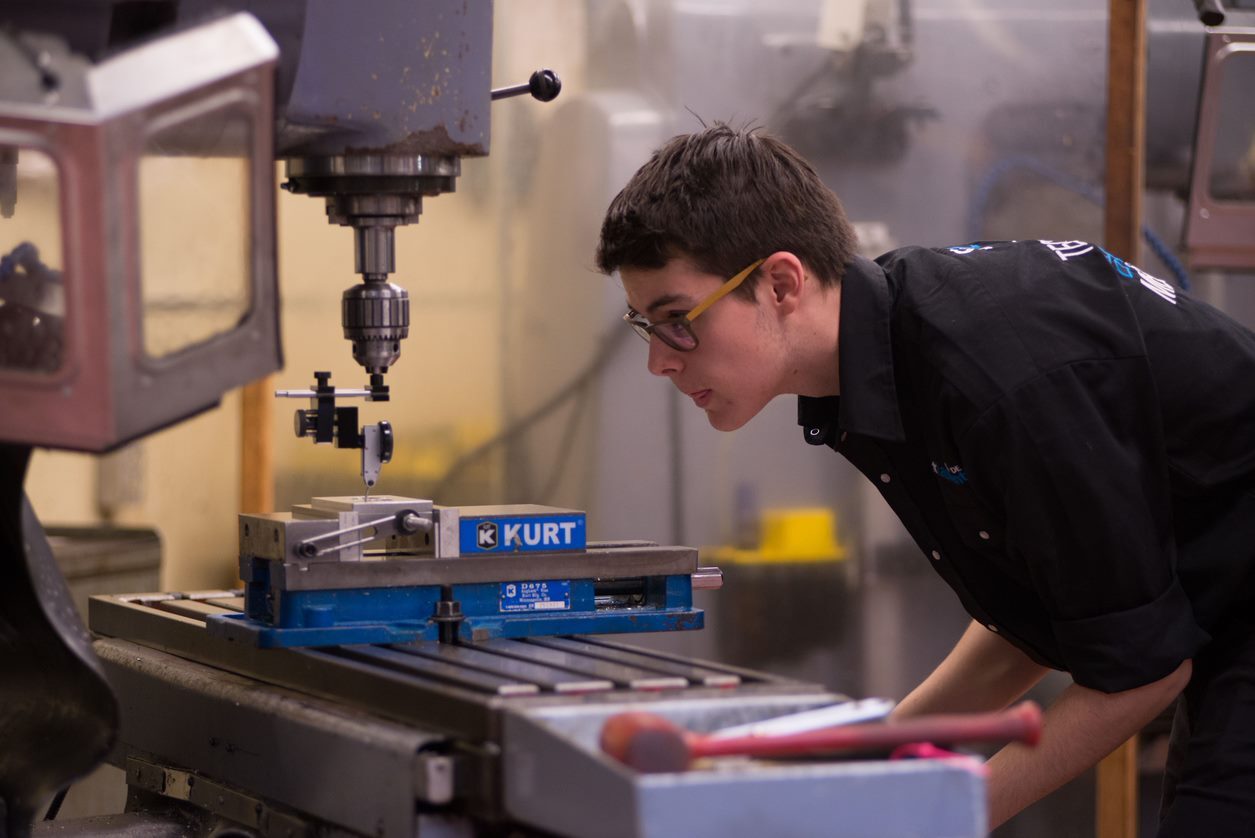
(1070, 441)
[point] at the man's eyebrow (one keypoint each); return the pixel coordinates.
(664, 300)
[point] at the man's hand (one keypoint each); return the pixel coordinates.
(984, 672)
(1081, 727)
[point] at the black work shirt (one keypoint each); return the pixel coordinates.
(1070, 440)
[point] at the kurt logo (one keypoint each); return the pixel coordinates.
(546, 533)
(954, 474)
(486, 535)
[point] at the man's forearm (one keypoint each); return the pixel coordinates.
(982, 673)
(1080, 728)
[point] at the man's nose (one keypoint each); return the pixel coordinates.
(663, 360)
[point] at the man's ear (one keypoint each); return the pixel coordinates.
(782, 276)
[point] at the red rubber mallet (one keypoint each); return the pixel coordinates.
(651, 744)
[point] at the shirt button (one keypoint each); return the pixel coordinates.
(936, 556)
(984, 535)
(992, 628)
(884, 478)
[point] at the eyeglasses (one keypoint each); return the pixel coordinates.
(677, 332)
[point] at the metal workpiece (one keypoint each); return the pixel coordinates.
(330, 506)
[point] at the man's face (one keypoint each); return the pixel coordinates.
(736, 368)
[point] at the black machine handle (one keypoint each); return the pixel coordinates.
(1210, 12)
(543, 85)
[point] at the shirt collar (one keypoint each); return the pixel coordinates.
(868, 404)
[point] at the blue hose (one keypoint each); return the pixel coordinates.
(999, 170)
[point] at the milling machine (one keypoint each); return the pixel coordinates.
(393, 666)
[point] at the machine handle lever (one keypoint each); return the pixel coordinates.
(309, 548)
(405, 523)
(543, 85)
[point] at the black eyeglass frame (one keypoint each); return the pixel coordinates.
(680, 327)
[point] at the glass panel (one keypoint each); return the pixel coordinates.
(194, 230)
(32, 294)
(1233, 157)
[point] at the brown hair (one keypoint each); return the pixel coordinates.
(723, 197)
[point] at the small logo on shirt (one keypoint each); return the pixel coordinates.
(964, 249)
(1072, 249)
(1151, 283)
(954, 474)
(1069, 249)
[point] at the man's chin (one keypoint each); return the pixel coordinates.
(721, 421)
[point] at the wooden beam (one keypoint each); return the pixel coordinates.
(1126, 127)
(257, 467)
(1116, 796)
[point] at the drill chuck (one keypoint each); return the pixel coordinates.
(376, 318)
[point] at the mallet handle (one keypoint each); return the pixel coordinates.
(1021, 723)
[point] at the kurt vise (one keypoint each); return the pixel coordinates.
(387, 569)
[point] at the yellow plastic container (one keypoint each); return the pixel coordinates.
(796, 535)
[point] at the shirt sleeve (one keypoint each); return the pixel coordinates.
(1076, 462)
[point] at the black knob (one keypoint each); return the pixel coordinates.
(324, 381)
(1210, 12)
(305, 422)
(385, 442)
(543, 85)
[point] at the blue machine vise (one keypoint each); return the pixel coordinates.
(396, 570)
